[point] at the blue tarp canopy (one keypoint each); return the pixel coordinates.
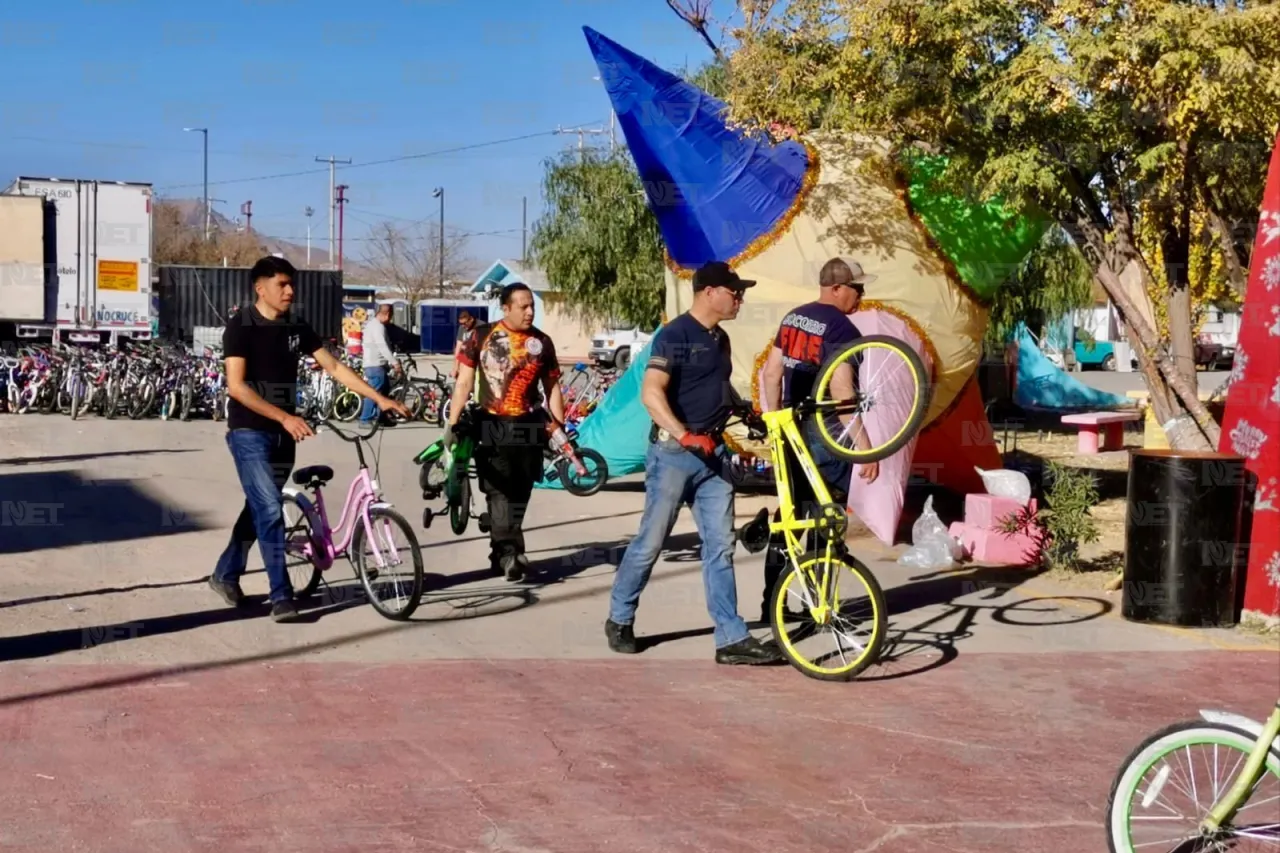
(618, 428)
(1043, 385)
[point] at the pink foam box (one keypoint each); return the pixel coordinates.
(984, 545)
(987, 511)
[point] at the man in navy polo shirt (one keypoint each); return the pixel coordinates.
(687, 392)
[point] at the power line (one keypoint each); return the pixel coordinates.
(382, 162)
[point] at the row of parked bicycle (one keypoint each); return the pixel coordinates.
(166, 380)
(134, 380)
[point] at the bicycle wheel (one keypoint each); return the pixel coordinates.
(583, 485)
(347, 406)
(1156, 803)
(796, 587)
(874, 392)
(460, 506)
(299, 539)
(406, 592)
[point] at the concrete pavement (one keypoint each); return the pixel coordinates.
(138, 710)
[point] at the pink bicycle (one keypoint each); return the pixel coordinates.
(366, 521)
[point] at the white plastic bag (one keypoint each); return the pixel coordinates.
(931, 545)
(1007, 484)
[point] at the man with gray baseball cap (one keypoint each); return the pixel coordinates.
(807, 337)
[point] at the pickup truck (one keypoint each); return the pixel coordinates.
(614, 347)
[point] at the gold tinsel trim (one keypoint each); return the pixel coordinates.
(755, 404)
(934, 362)
(764, 241)
(758, 365)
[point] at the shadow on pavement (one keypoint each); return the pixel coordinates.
(184, 669)
(911, 649)
(56, 509)
(109, 590)
(528, 529)
(81, 457)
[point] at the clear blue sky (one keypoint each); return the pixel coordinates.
(103, 88)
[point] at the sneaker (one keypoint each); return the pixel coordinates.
(750, 652)
(622, 638)
(284, 611)
(228, 592)
(514, 568)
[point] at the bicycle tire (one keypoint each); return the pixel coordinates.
(415, 594)
(308, 588)
(566, 472)
(346, 406)
(1157, 745)
(781, 635)
(460, 509)
(919, 404)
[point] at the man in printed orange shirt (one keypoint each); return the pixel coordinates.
(518, 369)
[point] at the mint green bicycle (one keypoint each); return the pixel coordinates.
(1160, 804)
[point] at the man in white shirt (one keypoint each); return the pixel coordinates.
(377, 358)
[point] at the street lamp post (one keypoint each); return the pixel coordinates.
(439, 193)
(208, 216)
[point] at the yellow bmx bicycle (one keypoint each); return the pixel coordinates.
(869, 400)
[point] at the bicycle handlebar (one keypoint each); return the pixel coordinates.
(350, 437)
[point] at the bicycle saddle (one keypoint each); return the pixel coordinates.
(313, 474)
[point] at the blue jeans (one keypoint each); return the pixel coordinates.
(377, 379)
(674, 476)
(263, 462)
(834, 470)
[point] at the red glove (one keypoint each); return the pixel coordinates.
(698, 443)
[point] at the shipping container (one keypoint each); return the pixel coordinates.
(191, 297)
(28, 286)
(103, 238)
(438, 322)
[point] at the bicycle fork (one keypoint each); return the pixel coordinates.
(1226, 807)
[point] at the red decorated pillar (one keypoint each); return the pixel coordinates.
(1251, 425)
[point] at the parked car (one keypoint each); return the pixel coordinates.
(615, 347)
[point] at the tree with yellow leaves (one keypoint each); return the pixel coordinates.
(1142, 127)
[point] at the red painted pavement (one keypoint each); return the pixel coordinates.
(985, 753)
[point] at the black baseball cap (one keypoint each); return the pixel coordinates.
(718, 274)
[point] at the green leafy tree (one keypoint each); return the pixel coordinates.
(1053, 281)
(598, 242)
(1112, 117)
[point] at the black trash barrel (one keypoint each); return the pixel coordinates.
(1183, 555)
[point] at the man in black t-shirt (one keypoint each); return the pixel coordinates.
(687, 392)
(262, 345)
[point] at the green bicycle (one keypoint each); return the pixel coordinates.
(1158, 804)
(449, 471)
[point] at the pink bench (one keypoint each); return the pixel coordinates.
(1090, 423)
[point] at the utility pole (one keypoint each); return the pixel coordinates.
(524, 229)
(613, 123)
(582, 133)
(308, 212)
(246, 210)
(208, 212)
(341, 188)
(438, 192)
(332, 161)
